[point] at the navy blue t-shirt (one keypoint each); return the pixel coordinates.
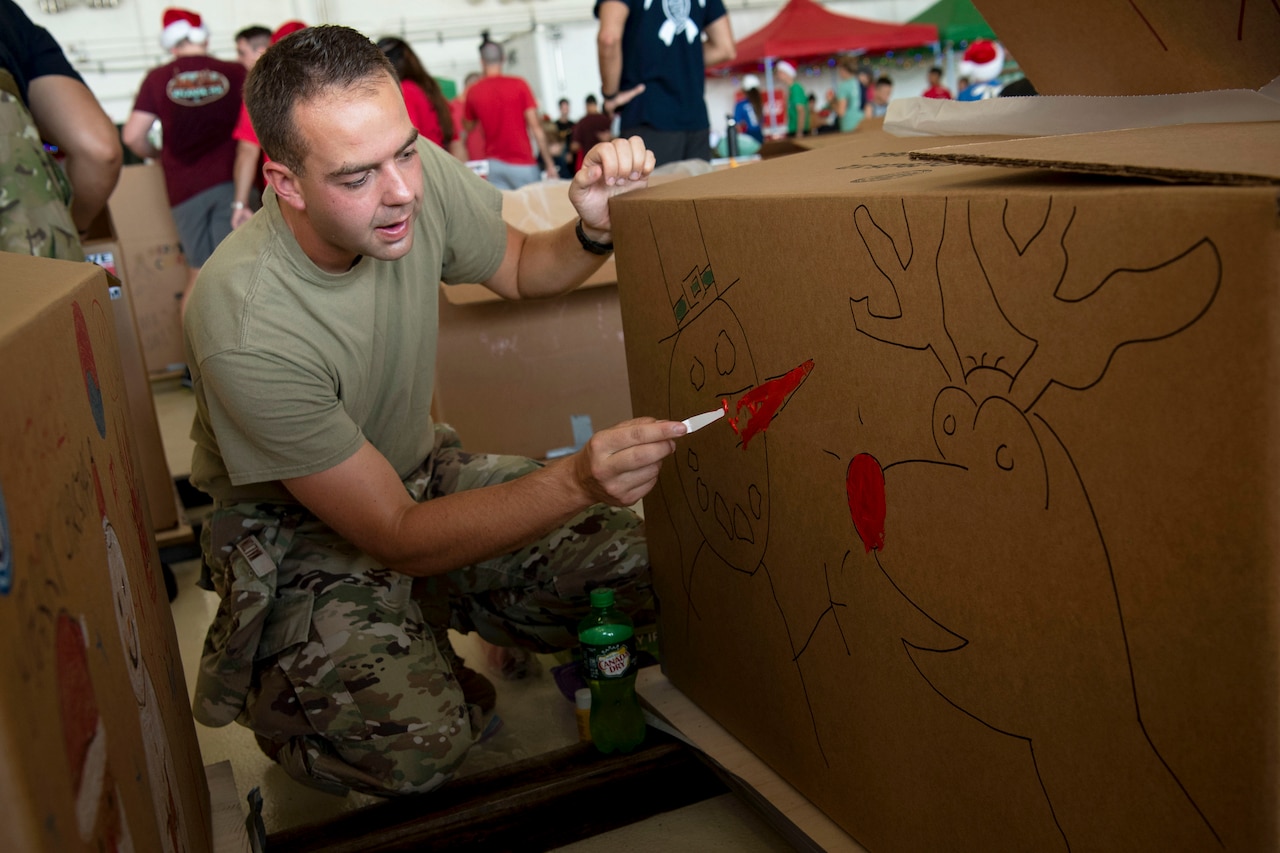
(662, 48)
(28, 51)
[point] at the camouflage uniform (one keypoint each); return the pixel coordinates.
(34, 192)
(345, 665)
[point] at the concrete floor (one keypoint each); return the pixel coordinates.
(536, 719)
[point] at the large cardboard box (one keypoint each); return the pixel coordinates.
(103, 249)
(531, 377)
(154, 268)
(985, 555)
(98, 750)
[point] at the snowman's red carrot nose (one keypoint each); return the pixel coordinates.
(757, 407)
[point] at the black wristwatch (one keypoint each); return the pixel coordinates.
(591, 245)
(604, 97)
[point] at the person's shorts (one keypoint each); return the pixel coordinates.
(671, 146)
(203, 221)
(509, 176)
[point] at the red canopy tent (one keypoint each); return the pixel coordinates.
(804, 30)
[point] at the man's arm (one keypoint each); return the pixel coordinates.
(70, 117)
(242, 174)
(548, 263)
(534, 124)
(719, 45)
(613, 19)
(135, 131)
(363, 500)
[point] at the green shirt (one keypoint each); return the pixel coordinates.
(797, 105)
(850, 91)
(294, 368)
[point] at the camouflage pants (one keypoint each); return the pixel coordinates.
(338, 661)
(34, 192)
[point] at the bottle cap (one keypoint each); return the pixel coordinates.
(602, 597)
(582, 698)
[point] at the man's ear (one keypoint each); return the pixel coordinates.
(287, 187)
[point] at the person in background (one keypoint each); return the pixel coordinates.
(504, 107)
(653, 71)
(936, 89)
(250, 43)
(564, 130)
(349, 532)
(246, 173)
(747, 111)
(880, 100)
(473, 136)
(797, 99)
(848, 95)
(44, 207)
(428, 109)
(196, 99)
(593, 128)
(982, 63)
(820, 116)
(866, 82)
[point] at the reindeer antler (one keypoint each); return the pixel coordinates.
(919, 323)
(1076, 338)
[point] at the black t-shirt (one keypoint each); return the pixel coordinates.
(28, 51)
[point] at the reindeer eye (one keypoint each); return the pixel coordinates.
(1004, 458)
(949, 424)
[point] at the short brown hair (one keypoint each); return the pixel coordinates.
(299, 68)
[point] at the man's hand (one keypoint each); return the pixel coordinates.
(608, 169)
(619, 465)
(621, 99)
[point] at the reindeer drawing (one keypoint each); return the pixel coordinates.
(992, 534)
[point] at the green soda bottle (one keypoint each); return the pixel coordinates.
(609, 655)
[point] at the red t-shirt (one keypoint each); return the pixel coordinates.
(940, 92)
(244, 131)
(498, 105)
(474, 136)
(197, 99)
(421, 113)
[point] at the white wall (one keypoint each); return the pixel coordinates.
(113, 48)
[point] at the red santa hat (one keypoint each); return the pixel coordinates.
(180, 25)
(288, 28)
(983, 61)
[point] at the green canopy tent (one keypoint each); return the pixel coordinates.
(958, 23)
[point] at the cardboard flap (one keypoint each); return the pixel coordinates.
(1047, 116)
(1235, 154)
(1140, 47)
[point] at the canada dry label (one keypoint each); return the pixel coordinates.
(616, 660)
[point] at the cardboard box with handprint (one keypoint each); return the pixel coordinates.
(983, 556)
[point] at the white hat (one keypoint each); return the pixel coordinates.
(784, 67)
(749, 82)
(180, 25)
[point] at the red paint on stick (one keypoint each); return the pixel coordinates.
(764, 401)
(864, 484)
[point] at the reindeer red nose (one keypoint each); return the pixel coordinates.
(864, 484)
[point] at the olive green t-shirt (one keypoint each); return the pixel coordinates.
(294, 368)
